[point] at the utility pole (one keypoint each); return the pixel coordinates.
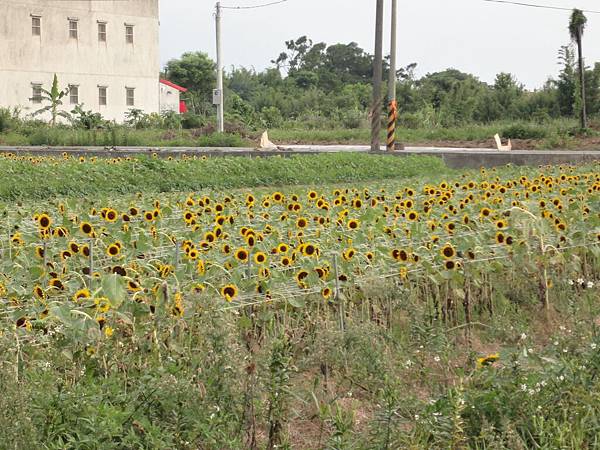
(377, 79)
(582, 79)
(218, 97)
(393, 106)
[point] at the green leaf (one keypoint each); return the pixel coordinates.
(113, 287)
(296, 302)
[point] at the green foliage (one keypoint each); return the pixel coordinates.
(54, 97)
(196, 72)
(524, 131)
(87, 120)
(145, 174)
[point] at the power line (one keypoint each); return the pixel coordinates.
(532, 5)
(256, 6)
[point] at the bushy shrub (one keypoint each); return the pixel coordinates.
(190, 121)
(523, 131)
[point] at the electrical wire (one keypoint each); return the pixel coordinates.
(256, 6)
(532, 5)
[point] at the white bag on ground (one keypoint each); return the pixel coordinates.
(265, 143)
(499, 143)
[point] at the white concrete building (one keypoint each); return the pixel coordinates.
(106, 51)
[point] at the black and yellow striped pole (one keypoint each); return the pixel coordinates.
(393, 106)
(391, 127)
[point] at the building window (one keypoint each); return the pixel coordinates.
(102, 95)
(36, 93)
(130, 96)
(36, 26)
(129, 34)
(101, 32)
(74, 94)
(73, 29)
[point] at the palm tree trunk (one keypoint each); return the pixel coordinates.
(582, 80)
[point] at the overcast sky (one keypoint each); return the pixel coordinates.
(470, 35)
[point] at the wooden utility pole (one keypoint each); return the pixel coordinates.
(219, 97)
(377, 79)
(582, 78)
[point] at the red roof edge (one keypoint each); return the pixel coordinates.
(173, 85)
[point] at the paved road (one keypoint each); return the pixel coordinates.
(453, 157)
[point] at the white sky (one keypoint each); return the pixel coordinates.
(470, 35)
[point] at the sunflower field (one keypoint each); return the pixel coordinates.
(235, 318)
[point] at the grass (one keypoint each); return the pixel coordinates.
(119, 137)
(49, 178)
(554, 134)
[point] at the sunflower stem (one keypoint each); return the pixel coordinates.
(339, 302)
(91, 262)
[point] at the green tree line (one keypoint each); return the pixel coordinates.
(317, 85)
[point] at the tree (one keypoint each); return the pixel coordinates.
(507, 90)
(576, 29)
(566, 85)
(54, 96)
(194, 71)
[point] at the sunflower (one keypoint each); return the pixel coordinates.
(485, 212)
(241, 254)
(84, 250)
(501, 224)
(326, 293)
(300, 277)
(44, 221)
(56, 283)
(448, 251)
(111, 215)
(119, 271)
(260, 258)
(113, 250)
(39, 251)
(133, 286)
(285, 261)
(86, 228)
(60, 232)
(102, 304)
(283, 248)
(301, 222)
(310, 250)
(500, 238)
(229, 292)
(148, 216)
(412, 216)
(450, 265)
(348, 254)
(321, 272)
(39, 292)
(353, 224)
(177, 309)
(81, 294)
(74, 247)
(487, 360)
(188, 216)
(403, 273)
